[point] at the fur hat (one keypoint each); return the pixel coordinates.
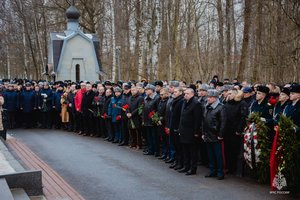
(150, 87)
(174, 83)
(263, 89)
(117, 89)
(160, 83)
(212, 93)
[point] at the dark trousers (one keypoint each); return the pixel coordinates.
(46, 119)
(125, 131)
(117, 131)
(102, 127)
(78, 121)
(163, 139)
(11, 119)
(232, 149)
(72, 120)
(214, 152)
(28, 119)
(203, 152)
(153, 147)
(97, 126)
(135, 137)
(87, 123)
(109, 129)
(190, 152)
(179, 156)
(57, 119)
(19, 118)
(36, 118)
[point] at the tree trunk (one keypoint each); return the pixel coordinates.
(245, 46)
(113, 38)
(157, 30)
(221, 66)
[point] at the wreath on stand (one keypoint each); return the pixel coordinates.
(285, 157)
(257, 146)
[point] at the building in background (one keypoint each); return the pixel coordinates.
(73, 55)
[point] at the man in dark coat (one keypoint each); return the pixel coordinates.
(86, 107)
(46, 105)
(27, 104)
(189, 131)
(248, 96)
(37, 106)
(283, 101)
(161, 110)
(57, 106)
(292, 110)
(213, 131)
(173, 84)
(124, 119)
(104, 115)
(236, 112)
(202, 98)
(11, 105)
(261, 105)
(135, 123)
(150, 107)
(176, 152)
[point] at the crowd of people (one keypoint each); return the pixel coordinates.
(183, 125)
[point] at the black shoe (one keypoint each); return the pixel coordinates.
(170, 160)
(179, 167)
(173, 165)
(210, 175)
(190, 172)
(115, 141)
(148, 153)
(220, 177)
(162, 157)
(156, 155)
(183, 170)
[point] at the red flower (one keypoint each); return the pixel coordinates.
(118, 118)
(104, 115)
(167, 131)
(96, 98)
(125, 107)
(272, 101)
(150, 115)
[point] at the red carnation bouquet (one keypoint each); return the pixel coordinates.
(154, 117)
(104, 116)
(167, 131)
(125, 107)
(118, 117)
(272, 101)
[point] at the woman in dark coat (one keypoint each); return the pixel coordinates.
(236, 112)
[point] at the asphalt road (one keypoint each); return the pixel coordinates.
(100, 170)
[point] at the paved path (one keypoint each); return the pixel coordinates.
(99, 170)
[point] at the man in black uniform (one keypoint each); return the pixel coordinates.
(189, 130)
